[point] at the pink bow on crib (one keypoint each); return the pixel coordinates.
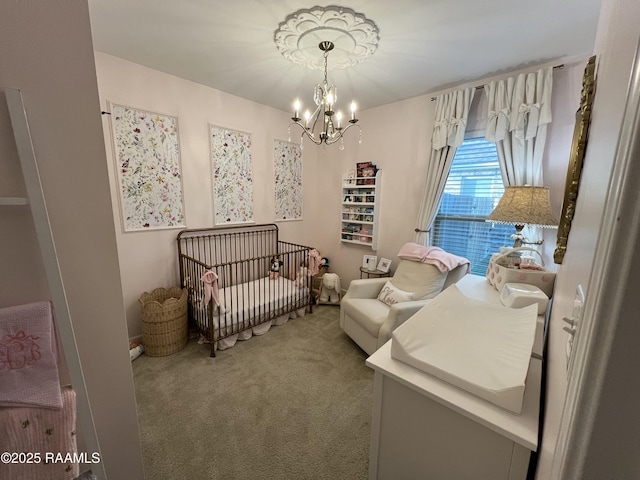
(210, 279)
(314, 262)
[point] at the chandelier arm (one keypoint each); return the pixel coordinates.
(306, 131)
(341, 133)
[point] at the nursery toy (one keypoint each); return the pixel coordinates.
(274, 272)
(330, 291)
(303, 273)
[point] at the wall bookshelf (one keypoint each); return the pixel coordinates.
(360, 209)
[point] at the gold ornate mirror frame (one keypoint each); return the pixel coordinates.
(578, 147)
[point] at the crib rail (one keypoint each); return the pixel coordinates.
(241, 259)
(227, 244)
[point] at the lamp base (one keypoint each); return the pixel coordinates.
(519, 239)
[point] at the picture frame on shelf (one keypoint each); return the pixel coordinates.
(384, 265)
(369, 262)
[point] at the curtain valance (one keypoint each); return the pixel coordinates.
(452, 111)
(519, 105)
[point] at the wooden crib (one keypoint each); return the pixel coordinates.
(244, 299)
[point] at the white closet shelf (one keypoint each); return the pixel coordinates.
(14, 201)
(38, 211)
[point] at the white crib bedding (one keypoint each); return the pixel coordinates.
(249, 303)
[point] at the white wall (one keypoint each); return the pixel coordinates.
(149, 259)
(46, 51)
(609, 450)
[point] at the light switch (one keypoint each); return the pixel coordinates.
(573, 326)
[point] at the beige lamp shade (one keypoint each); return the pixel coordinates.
(524, 206)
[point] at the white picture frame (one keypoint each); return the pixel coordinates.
(369, 262)
(384, 265)
(351, 177)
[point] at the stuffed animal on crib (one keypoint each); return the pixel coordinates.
(330, 291)
(303, 273)
(274, 271)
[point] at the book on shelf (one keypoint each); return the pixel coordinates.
(366, 172)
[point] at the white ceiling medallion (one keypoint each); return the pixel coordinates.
(355, 38)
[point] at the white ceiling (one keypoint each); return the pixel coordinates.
(424, 44)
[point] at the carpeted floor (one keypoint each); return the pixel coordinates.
(292, 404)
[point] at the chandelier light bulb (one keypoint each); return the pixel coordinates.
(296, 108)
(339, 119)
(353, 110)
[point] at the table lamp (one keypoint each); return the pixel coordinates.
(522, 206)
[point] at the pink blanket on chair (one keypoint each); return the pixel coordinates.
(445, 261)
(29, 356)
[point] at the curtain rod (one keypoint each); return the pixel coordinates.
(556, 67)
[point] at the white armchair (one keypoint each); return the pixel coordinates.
(369, 321)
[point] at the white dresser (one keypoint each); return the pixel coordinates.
(425, 428)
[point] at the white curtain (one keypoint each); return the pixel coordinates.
(452, 111)
(519, 112)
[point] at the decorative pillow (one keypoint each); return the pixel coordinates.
(392, 295)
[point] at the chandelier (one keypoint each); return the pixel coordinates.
(324, 125)
(351, 37)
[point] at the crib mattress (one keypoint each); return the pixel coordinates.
(482, 348)
(251, 302)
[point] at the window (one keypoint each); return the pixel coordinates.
(472, 191)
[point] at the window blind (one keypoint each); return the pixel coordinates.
(473, 189)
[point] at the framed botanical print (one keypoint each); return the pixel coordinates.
(232, 175)
(287, 166)
(147, 156)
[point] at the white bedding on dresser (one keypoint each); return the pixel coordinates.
(482, 348)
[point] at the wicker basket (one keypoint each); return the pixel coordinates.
(164, 321)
